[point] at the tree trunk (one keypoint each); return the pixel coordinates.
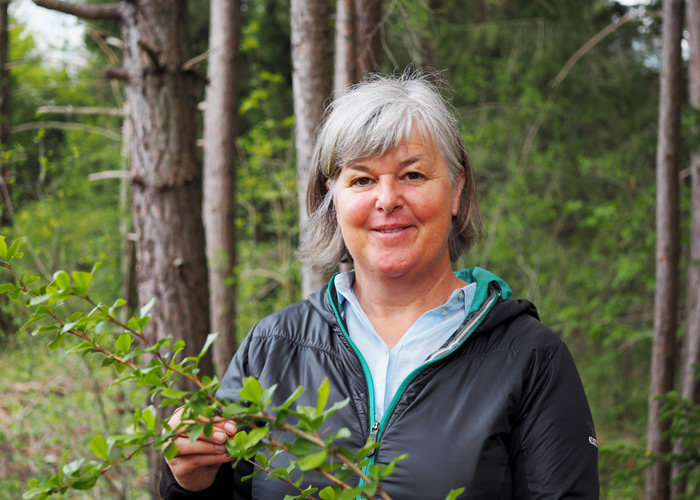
(368, 15)
(357, 41)
(220, 117)
(7, 212)
(166, 176)
(689, 384)
(311, 81)
(667, 244)
(345, 61)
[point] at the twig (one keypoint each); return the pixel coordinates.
(83, 11)
(81, 110)
(67, 126)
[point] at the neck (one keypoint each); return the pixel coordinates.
(394, 304)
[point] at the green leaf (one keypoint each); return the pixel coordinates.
(39, 299)
(57, 341)
(301, 446)
(62, 279)
(323, 392)
(149, 418)
(170, 451)
(144, 310)
(83, 346)
(261, 458)
(13, 249)
(454, 494)
(312, 461)
(364, 451)
(173, 394)
(86, 482)
(6, 287)
(99, 447)
(289, 400)
(82, 280)
(3, 248)
(251, 391)
(210, 338)
(30, 280)
(256, 435)
(75, 316)
(195, 432)
(123, 342)
(133, 324)
(33, 319)
(327, 493)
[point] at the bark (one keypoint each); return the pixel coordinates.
(689, 384)
(345, 71)
(368, 14)
(219, 207)
(7, 210)
(667, 245)
(311, 82)
(166, 180)
(166, 177)
(104, 11)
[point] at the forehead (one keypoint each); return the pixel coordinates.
(414, 142)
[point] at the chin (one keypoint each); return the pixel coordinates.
(390, 270)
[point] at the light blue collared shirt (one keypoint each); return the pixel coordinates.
(389, 367)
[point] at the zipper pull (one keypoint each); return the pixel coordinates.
(373, 434)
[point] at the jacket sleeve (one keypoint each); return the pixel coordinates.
(556, 453)
(227, 484)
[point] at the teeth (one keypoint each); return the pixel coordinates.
(395, 230)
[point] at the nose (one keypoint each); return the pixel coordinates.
(389, 195)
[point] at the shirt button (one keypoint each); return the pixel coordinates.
(461, 295)
(444, 312)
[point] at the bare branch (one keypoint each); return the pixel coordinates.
(109, 174)
(195, 61)
(83, 11)
(589, 45)
(67, 126)
(71, 110)
(114, 73)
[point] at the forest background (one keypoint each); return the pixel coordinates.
(564, 151)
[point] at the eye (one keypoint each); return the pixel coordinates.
(361, 181)
(414, 176)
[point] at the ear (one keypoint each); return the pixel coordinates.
(457, 196)
(328, 185)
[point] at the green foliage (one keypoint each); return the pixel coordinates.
(683, 416)
(157, 368)
(566, 178)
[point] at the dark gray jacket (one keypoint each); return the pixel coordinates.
(500, 410)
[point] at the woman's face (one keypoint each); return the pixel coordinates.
(395, 211)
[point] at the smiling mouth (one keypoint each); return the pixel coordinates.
(392, 230)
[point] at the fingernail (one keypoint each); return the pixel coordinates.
(219, 436)
(220, 448)
(230, 427)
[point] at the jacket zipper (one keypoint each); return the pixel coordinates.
(378, 426)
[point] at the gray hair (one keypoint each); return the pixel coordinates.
(371, 119)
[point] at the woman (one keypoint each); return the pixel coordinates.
(442, 366)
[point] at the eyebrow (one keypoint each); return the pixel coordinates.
(402, 164)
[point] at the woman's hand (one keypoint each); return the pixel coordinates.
(196, 464)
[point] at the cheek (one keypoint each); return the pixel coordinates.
(350, 210)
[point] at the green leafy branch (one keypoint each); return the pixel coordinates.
(157, 367)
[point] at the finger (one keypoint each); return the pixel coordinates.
(199, 447)
(219, 434)
(191, 462)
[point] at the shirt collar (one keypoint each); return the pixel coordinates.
(461, 297)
